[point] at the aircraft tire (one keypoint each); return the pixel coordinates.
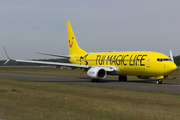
(122, 78)
(159, 82)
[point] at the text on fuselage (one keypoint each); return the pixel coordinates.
(132, 60)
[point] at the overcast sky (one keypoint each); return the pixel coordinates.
(29, 26)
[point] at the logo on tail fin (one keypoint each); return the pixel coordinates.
(70, 45)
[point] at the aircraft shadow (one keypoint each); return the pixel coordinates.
(87, 80)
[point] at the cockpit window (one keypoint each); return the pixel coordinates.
(163, 59)
(167, 60)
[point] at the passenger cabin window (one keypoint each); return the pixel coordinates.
(163, 59)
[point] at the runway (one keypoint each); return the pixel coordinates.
(143, 85)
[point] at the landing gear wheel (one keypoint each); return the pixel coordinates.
(122, 78)
(159, 82)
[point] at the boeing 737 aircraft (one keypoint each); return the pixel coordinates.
(143, 64)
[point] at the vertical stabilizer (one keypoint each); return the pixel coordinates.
(72, 43)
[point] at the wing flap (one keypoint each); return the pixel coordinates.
(55, 63)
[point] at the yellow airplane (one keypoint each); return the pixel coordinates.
(143, 64)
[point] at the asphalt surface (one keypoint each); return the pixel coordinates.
(143, 85)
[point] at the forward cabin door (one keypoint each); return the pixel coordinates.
(148, 62)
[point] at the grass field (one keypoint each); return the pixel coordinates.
(26, 100)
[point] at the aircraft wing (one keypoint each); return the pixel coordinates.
(55, 63)
(106, 68)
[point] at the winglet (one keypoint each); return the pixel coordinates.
(171, 56)
(7, 56)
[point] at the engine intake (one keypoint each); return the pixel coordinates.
(97, 73)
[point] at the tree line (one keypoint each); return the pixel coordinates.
(177, 60)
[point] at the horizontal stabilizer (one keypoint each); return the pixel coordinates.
(6, 61)
(8, 58)
(54, 55)
(6, 53)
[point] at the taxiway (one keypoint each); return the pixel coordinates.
(143, 85)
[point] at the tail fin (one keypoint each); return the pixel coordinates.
(73, 45)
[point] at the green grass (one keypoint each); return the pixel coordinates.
(26, 100)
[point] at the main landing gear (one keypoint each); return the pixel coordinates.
(122, 78)
(159, 81)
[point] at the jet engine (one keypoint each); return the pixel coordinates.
(97, 73)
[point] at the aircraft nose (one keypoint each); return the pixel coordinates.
(172, 67)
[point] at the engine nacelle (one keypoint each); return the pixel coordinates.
(145, 77)
(97, 73)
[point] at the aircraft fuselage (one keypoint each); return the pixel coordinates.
(141, 63)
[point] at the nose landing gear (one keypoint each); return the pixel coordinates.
(159, 81)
